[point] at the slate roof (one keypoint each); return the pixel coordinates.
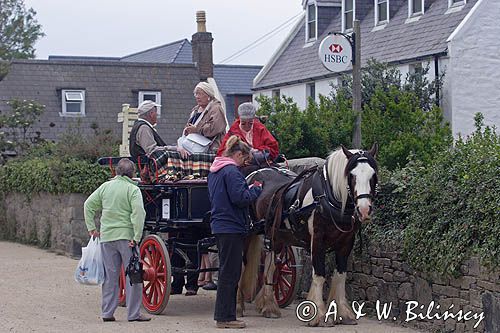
(178, 52)
(397, 42)
(235, 79)
(231, 79)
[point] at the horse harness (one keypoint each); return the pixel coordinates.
(287, 202)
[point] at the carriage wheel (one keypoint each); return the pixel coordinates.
(122, 293)
(157, 274)
(286, 276)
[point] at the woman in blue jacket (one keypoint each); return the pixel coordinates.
(230, 197)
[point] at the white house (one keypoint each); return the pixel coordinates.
(457, 37)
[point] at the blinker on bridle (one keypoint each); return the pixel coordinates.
(361, 159)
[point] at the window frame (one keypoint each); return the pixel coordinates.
(410, 8)
(344, 28)
(378, 22)
(308, 38)
(140, 98)
(65, 101)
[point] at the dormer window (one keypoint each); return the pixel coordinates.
(348, 10)
(381, 12)
(415, 7)
(311, 27)
(455, 3)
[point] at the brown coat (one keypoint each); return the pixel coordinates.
(212, 125)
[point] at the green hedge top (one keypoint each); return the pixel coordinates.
(52, 175)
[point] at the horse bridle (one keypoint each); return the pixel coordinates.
(360, 158)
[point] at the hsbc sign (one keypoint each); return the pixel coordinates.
(335, 52)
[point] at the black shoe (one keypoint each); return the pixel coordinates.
(210, 286)
(191, 292)
(141, 318)
(108, 319)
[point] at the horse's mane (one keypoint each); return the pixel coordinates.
(337, 163)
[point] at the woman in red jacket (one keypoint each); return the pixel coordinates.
(252, 132)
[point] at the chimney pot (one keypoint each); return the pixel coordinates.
(201, 20)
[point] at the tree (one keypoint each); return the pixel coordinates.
(19, 31)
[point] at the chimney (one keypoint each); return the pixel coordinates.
(201, 43)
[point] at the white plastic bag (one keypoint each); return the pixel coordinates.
(195, 143)
(90, 269)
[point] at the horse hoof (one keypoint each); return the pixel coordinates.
(271, 314)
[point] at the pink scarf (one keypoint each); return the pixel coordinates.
(221, 162)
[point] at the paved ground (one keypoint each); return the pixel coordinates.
(38, 294)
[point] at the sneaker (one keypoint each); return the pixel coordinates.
(104, 319)
(231, 324)
(210, 286)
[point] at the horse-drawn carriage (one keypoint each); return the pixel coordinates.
(320, 210)
(178, 223)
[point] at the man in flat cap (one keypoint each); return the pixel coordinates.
(144, 140)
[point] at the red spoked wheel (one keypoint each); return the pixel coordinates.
(122, 294)
(286, 276)
(157, 274)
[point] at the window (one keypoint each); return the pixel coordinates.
(381, 12)
(452, 3)
(73, 103)
(275, 93)
(310, 91)
(415, 7)
(311, 22)
(348, 9)
(154, 96)
(416, 68)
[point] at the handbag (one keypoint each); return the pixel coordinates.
(196, 143)
(134, 268)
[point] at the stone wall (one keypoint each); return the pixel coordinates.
(381, 274)
(50, 221)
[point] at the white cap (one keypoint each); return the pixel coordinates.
(146, 106)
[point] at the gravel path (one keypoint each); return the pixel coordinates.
(38, 294)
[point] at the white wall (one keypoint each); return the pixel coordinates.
(324, 87)
(297, 93)
(474, 68)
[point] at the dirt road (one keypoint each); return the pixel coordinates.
(38, 294)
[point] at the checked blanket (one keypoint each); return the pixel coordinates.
(169, 165)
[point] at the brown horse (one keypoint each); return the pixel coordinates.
(320, 210)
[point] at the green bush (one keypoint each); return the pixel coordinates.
(312, 132)
(444, 212)
(52, 175)
(401, 115)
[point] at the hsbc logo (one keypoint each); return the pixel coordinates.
(335, 53)
(336, 48)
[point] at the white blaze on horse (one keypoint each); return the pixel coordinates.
(321, 210)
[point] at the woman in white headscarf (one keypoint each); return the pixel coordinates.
(207, 118)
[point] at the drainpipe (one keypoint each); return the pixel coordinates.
(436, 76)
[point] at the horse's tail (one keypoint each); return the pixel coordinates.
(248, 281)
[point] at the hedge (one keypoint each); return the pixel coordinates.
(442, 213)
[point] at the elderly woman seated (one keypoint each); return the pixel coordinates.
(207, 119)
(254, 133)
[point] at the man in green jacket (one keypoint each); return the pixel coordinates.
(122, 222)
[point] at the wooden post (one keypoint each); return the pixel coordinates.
(356, 85)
